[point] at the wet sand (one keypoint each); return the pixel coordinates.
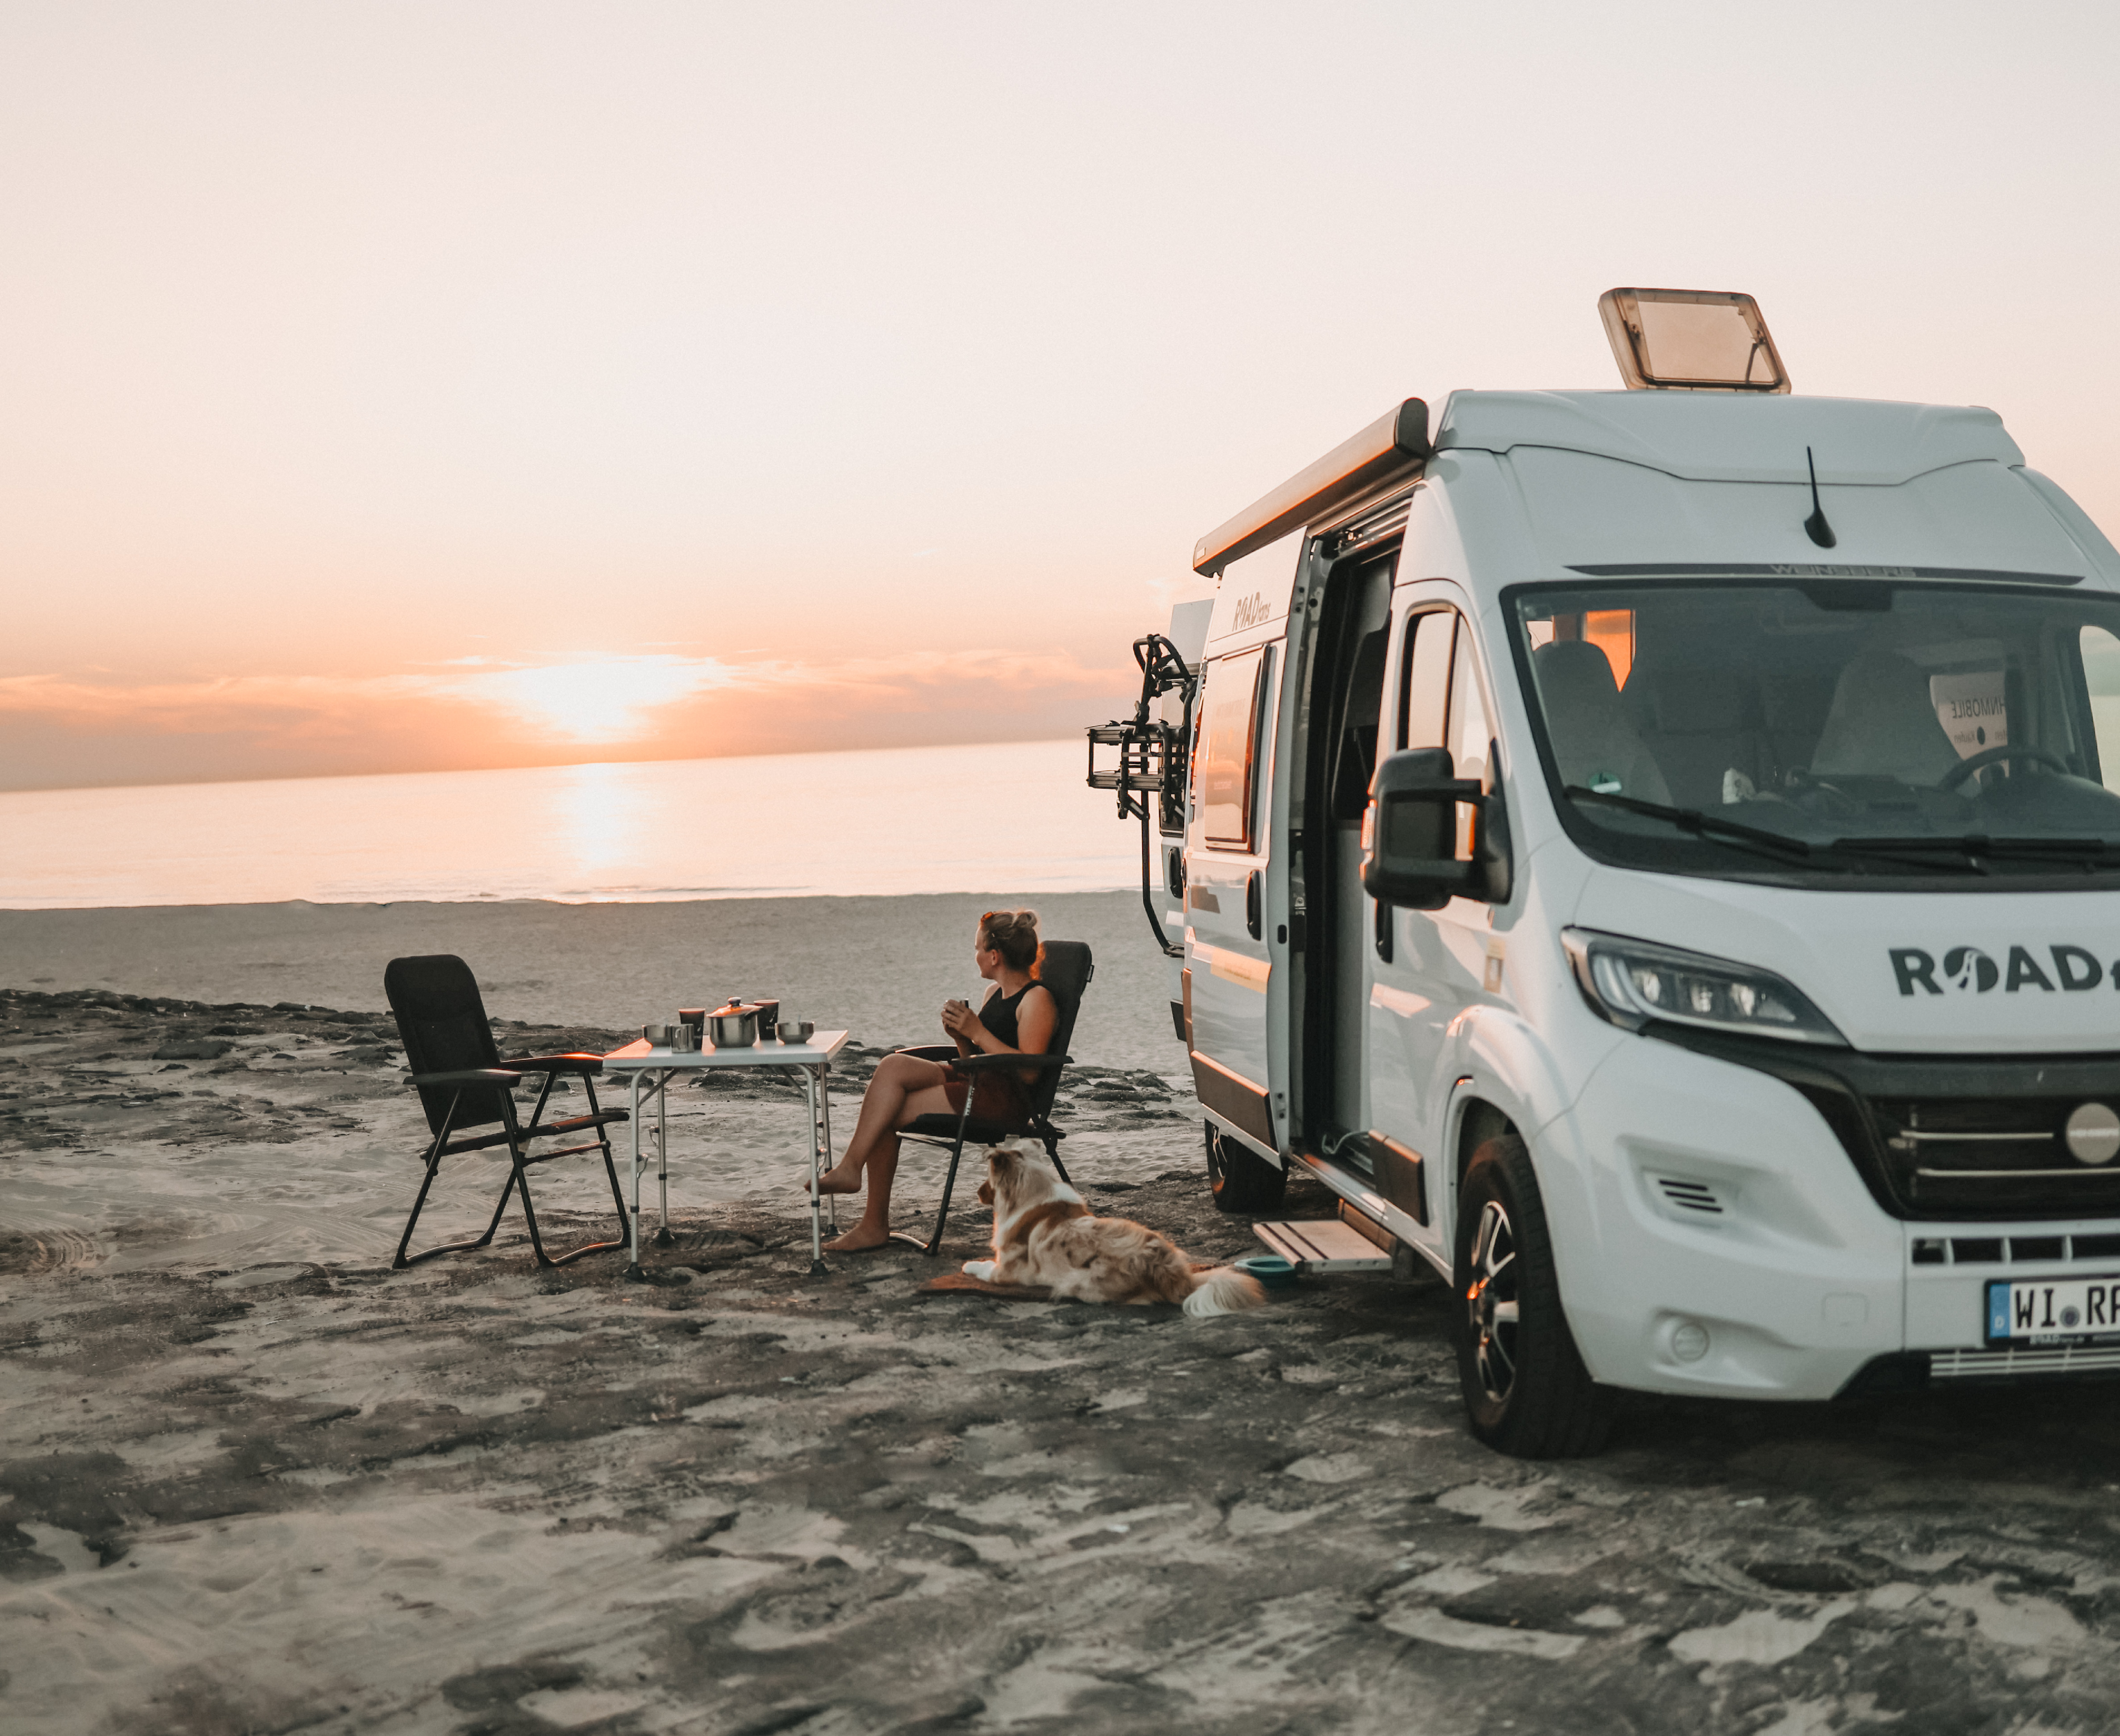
(251, 1480)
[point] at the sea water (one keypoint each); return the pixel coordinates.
(1015, 815)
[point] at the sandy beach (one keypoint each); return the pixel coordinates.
(254, 1480)
(879, 967)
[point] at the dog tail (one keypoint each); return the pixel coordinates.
(1224, 1290)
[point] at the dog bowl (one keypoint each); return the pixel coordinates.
(794, 1030)
(1272, 1272)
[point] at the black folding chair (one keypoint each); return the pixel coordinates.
(463, 1084)
(1065, 970)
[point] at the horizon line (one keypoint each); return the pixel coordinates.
(529, 765)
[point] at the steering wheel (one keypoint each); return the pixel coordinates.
(1981, 761)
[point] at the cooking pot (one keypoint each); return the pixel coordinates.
(732, 1026)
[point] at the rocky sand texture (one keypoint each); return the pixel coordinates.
(243, 1489)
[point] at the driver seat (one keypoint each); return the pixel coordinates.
(1882, 724)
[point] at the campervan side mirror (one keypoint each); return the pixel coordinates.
(1410, 834)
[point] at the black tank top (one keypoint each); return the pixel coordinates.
(998, 1015)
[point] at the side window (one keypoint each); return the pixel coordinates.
(1471, 733)
(2101, 674)
(1228, 758)
(1424, 687)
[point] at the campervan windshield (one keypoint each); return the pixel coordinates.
(1851, 730)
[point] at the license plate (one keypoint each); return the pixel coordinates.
(2054, 1311)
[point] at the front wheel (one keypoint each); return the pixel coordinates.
(1242, 1180)
(1526, 1388)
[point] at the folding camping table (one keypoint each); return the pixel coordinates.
(653, 1069)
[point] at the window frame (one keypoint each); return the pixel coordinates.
(1262, 657)
(1409, 637)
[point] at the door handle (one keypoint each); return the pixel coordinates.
(1254, 904)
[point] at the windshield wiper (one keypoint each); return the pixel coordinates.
(2090, 852)
(1715, 829)
(1692, 820)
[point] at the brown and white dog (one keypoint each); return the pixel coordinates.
(1043, 1234)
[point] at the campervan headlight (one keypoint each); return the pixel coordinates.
(1635, 982)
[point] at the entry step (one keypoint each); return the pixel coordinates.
(1323, 1245)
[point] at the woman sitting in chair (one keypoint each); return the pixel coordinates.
(1018, 1018)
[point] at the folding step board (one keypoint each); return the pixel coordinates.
(1323, 1245)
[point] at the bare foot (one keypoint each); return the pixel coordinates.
(861, 1236)
(837, 1181)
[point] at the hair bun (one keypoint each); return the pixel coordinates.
(1014, 934)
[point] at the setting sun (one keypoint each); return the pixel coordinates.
(607, 700)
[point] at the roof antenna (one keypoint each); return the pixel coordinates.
(1815, 526)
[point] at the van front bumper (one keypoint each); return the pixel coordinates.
(1714, 1238)
(1711, 1236)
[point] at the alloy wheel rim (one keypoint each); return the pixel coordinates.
(1491, 1303)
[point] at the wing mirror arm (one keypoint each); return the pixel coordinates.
(1410, 834)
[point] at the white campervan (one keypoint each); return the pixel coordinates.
(1653, 854)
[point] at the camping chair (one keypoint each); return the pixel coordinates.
(463, 1084)
(1065, 970)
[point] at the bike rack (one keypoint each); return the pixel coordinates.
(1151, 758)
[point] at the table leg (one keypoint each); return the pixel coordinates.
(825, 1136)
(817, 1267)
(663, 1238)
(633, 1221)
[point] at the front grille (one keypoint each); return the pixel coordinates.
(1991, 1157)
(1965, 1138)
(1988, 1251)
(1978, 1365)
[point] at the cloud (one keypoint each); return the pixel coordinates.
(57, 730)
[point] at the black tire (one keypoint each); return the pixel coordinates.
(1526, 1389)
(1242, 1180)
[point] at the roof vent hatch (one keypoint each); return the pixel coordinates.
(1691, 340)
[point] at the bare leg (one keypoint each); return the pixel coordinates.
(874, 1229)
(903, 1088)
(887, 1106)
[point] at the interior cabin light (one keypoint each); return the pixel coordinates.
(1636, 983)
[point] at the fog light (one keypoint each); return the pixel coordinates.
(1689, 1341)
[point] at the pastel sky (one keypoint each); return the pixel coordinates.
(394, 386)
